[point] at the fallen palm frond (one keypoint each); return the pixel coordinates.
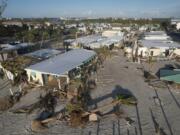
(126, 99)
(76, 115)
(73, 107)
(46, 102)
(18, 64)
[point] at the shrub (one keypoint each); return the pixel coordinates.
(73, 107)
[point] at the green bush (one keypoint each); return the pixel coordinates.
(73, 107)
(127, 99)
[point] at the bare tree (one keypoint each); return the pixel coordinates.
(3, 4)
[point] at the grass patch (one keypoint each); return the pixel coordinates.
(73, 107)
(75, 112)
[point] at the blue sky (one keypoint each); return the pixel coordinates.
(93, 8)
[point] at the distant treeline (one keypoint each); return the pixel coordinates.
(120, 21)
(23, 34)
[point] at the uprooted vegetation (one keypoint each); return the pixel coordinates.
(126, 99)
(18, 64)
(149, 76)
(76, 92)
(76, 95)
(47, 102)
(76, 111)
(104, 53)
(8, 101)
(16, 67)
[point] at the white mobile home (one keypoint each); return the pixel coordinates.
(157, 48)
(112, 33)
(52, 70)
(156, 35)
(95, 41)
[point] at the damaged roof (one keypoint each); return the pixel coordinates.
(10, 47)
(44, 53)
(63, 63)
(159, 44)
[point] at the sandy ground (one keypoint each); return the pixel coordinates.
(117, 75)
(5, 85)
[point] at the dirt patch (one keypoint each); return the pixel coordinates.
(76, 119)
(37, 126)
(5, 103)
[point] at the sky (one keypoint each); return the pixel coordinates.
(93, 8)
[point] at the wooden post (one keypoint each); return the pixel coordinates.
(59, 83)
(68, 80)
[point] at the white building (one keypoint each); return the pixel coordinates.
(178, 26)
(82, 29)
(112, 33)
(155, 44)
(12, 23)
(106, 42)
(96, 41)
(52, 70)
(157, 48)
(117, 28)
(176, 22)
(10, 51)
(156, 35)
(143, 28)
